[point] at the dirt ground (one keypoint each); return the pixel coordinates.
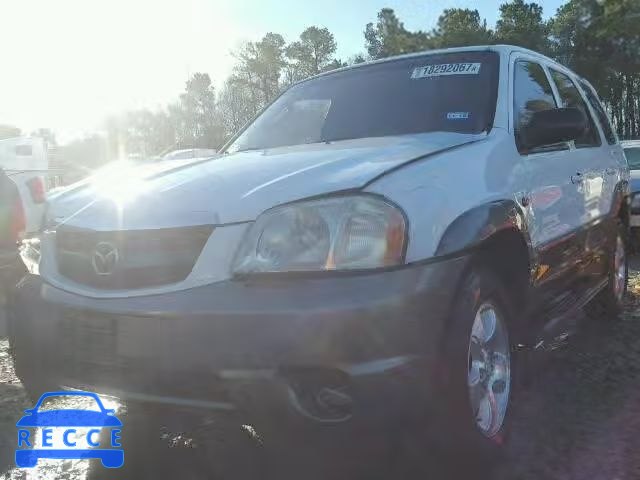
(580, 420)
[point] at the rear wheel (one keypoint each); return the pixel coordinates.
(634, 240)
(609, 301)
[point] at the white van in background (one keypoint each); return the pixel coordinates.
(25, 159)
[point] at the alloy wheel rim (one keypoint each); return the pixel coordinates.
(620, 269)
(489, 378)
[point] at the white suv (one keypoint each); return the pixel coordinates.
(25, 159)
(382, 243)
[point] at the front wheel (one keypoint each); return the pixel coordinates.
(489, 378)
(471, 390)
(479, 368)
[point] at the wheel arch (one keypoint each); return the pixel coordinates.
(477, 225)
(495, 235)
(620, 205)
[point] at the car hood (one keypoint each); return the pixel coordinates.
(634, 181)
(236, 187)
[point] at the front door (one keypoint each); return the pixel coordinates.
(555, 197)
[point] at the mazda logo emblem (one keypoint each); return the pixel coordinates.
(104, 259)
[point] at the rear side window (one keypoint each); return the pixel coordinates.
(570, 96)
(603, 118)
(532, 93)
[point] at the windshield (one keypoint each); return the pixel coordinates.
(412, 95)
(633, 157)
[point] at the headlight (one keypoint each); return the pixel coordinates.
(341, 233)
(635, 201)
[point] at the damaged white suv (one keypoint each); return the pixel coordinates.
(382, 243)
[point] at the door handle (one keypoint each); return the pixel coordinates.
(610, 171)
(577, 178)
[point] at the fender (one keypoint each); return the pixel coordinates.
(621, 199)
(478, 224)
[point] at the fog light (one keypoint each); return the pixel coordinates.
(320, 394)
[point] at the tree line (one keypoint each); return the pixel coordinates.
(599, 39)
(204, 116)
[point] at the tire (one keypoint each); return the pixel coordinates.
(474, 426)
(25, 362)
(610, 301)
(34, 383)
(634, 240)
(34, 387)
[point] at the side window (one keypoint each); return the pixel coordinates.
(531, 93)
(570, 97)
(603, 118)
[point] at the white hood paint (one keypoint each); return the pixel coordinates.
(236, 187)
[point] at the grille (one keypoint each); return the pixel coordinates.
(142, 258)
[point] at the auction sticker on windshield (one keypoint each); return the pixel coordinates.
(443, 69)
(69, 433)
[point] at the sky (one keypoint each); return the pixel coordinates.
(69, 64)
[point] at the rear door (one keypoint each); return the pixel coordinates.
(614, 163)
(594, 174)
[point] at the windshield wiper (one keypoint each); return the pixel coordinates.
(252, 149)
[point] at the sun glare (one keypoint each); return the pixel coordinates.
(121, 181)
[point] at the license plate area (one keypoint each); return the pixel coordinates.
(89, 346)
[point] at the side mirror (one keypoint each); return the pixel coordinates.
(555, 125)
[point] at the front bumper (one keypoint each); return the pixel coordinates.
(310, 349)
